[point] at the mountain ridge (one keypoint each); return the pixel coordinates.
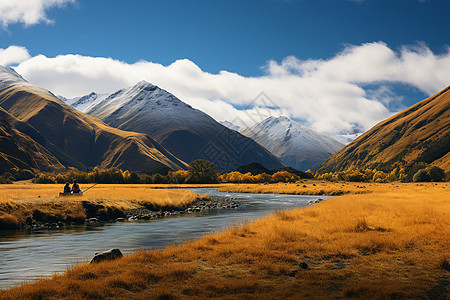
(185, 131)
(77, 139)
(418, 134)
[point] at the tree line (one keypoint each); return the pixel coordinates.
(430, 173)
(199, 171)
(203, 171)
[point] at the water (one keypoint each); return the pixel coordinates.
(27, 256)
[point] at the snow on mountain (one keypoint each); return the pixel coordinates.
(141, 98)
(295, 145)
(185, 131)
(230, 125)
(85, 102)
(8, 76)
(348, 138)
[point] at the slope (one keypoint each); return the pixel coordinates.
(417, 135)
(19, 151)
(74, 138)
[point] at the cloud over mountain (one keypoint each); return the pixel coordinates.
(328, 95)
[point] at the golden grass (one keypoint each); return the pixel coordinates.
(391, 243)
(21, 201)
(303, 187)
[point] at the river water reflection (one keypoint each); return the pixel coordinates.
(29, 255)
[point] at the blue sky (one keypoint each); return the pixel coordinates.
(373, 56)
(233, 35)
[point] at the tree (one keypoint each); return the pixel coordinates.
(202, 171)
(435, 173)
(421, 176)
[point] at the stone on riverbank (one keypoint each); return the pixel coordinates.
(111, 254)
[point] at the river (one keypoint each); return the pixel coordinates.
(25, 256)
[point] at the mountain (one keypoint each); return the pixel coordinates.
(19, 151)
(230, 125)
(73, 138)
(419, 134)
(188, 133)
(83, 103)
(295, 145)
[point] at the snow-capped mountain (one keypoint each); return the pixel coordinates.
(85, 102)
(230, 125)
(185, 131)
(42, 132)
(295, 145)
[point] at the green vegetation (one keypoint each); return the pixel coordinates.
(431, 173)
(15, 175)
(202, 171)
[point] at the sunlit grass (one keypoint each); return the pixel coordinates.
(391, 243)
(21, 201)
(303, 187)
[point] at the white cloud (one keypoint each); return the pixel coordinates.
(327, 94)
(13, 55)
(28, 12)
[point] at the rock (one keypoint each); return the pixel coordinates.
(111, 254)
(120, 220)
(92, 220)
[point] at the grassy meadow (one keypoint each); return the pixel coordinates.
(22, 201)
(390, 242)
(304, 187)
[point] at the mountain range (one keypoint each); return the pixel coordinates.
(55, 135)
(295, 145)
(417, 135)
(144, 127)
(186, 132)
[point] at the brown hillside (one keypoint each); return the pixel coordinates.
(19, 151)
(77, 139)
(417, 135)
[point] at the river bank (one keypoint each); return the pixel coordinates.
(389, 243)
(304, 187)
(33, 206)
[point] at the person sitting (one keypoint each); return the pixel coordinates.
(67, 188)
(75, 187)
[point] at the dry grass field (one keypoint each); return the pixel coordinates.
(391, 243)
(24, 200)
(304, 187)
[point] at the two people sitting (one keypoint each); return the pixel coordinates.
(75, 188)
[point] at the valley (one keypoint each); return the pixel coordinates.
(352, 246)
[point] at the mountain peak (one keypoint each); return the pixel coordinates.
(8, 71)
(145, 85)
(294, 144)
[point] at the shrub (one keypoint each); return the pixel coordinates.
(421, 176)
(435, 173)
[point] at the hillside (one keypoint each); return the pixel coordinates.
(74, 138)
(19, 151)
(417, 135)
(295, 145)
(187, 132)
